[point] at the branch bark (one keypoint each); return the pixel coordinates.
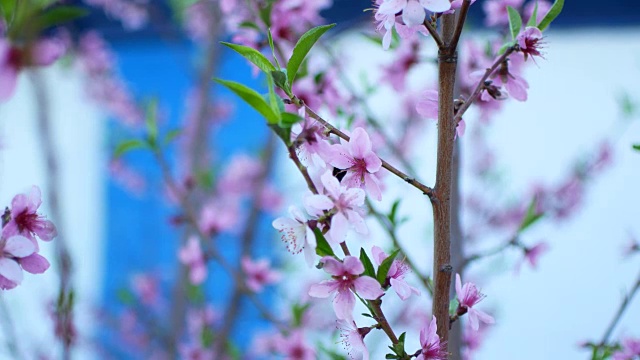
(441, 201)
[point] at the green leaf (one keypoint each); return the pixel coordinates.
(553, 13)
(368, 266)
(171, 135)
(253, 55)
(273, 98)
(249, 25)
(636, 147)
(504, 47)
(127, 146)
(531, 217)
(124, 295)
(302, 48)
(383, 269)
(280, 79)
(297, 312)
(151, 121)
(515, 22)
(265, 14)
(453, 306)
(534, 16)
(322, 248)
(289, 119)
(59, 15)
(394, 210)
(252, 98)
(272, 46)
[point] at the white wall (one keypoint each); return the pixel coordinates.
(78, 135)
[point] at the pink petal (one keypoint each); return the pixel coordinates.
(340, 158)
(19, 246)
(373, 162)
(331, 184)
(368, 287)
(323, 289)
(436, 5)
(332, 266)
(359, 143)
(10, 270)
(343, 304)
(353, 265)
(34, 264)
(378, 254)
(401, 288)
(373, 186)
(339, 228)
(318, 202)
(358, 222)
(392, 7)
(459, 287)
(413, 14)
(46, 52)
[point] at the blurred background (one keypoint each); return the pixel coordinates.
(120, 223)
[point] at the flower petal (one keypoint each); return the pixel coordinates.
(368, 287)
(34, 263)
(343, 304)
(323, 289)
(10, 270)
(19, 246)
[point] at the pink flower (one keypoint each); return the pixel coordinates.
(219, 215)
(12, 250)
(533, 254)
(353, 339)
(13, 59)
(345, 281)
(468, 296)
(297, 234)
(294, 347)
(630, 350)
(529, 41)
(311, 143)
(396, 274)
(191, 256)
(360, 162)
(259, 274)
(413, 11)
(26, 221)
(345, 203)
(432, 349)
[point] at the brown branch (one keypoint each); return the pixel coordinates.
(382, 320)
(332, 129)
(447, 62)
(434, 33)
(462, 18)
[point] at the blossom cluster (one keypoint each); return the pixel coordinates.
(22, 225)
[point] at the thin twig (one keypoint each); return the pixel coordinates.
(481, 83)
(462, 18)
(332, 129)
(434, 33)
(621, 309)
(212, 252)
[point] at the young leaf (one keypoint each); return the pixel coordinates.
(534, 16)
(302, 48)
(322, 248)
(127, 146)
(289, 119)
(59, 15)
(393, 213)
(636, 147)
(272, 46)
(553, 13)
(151, 121)
(368, 266)
(383, 269)
(252, 98)
(171, 135)
(273, 98)
(515, 21)
(280, 79)
(253, 56)
(531, 216)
